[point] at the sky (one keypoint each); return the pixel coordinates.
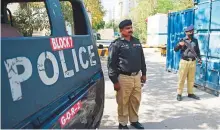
(108, 5)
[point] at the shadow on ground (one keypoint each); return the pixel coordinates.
(159, 108)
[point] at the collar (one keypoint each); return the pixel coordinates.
(186, 38)
(122, 38)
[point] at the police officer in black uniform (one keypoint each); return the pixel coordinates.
(190, 52)
(127, 70)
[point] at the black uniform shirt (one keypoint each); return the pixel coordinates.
(185, 52)
(126, 56)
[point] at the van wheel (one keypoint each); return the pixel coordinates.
(97, 125)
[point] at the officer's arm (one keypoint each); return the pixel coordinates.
(197, 49)
(178, 46)
(143, 64)
(112, 63)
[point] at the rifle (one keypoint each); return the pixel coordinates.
(192, 50)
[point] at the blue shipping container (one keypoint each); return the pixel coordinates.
(205, 17)
(207, 26)
(176, 23)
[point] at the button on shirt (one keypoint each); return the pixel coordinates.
(185, 52)
(126, 56)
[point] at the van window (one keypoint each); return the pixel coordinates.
(74, 18)
(67, 11)
(30, 18)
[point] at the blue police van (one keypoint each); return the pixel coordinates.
(51, 75)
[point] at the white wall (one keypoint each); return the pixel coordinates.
(106, 34)
(157, 30)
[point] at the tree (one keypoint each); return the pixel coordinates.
(97, 12)
(32, 16)
(67, 10)
(112, 24)
(99, 25)
(138, 15)
(163, 6)
(146, 8)
(29, 17)
(182, 4)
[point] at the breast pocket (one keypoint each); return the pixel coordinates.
(137, 50)
(125, 49)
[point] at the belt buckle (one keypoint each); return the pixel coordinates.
(190, 59)
(133, 73)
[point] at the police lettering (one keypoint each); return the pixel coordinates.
(15, 78)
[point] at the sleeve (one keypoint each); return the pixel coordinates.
(143, 64)
(178, 47)
(198, 50)
(112, 63)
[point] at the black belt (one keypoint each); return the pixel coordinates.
(129, 73)
(189, 59)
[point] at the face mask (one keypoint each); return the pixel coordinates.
(191, 35)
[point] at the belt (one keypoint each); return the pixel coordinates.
(129, 73)
(189, 59)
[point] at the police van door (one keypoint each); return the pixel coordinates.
(53, 67)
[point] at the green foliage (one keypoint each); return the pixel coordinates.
(138, 15)
(29, 17)
(112, 24)
(67, 10)
(146, 8)
(97, 12)
(99, 25)
(163, 6)
(33, 16)
(182, 4)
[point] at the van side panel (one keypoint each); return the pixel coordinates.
(44, 76)
(34, 93)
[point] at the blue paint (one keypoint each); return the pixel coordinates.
(206, 20)
(40, 103)
(177, 21)
(80, 95)
(207, 25)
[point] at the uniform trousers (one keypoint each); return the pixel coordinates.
(128, 98)
(187, 71)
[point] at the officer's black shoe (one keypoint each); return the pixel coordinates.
(193, 96)
(137, 125)
(179, 97)
(122, 127)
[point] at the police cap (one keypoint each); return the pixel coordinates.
(189, 28)
(124, 23)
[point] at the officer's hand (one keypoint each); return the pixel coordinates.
(199, 61)
(143, 78)
(182, 43)
(117, 87)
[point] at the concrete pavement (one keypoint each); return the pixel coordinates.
(159, 107)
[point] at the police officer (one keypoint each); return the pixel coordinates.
(125, 61)
(189, 54)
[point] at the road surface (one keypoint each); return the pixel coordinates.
(159, 107)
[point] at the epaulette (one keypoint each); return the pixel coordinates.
(115, 40)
